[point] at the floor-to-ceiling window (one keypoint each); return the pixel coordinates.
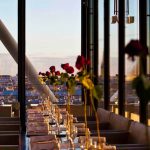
(148, 23)
(53, 37)
(131, 33)
(8, 56)
(114, 53)
(148, 44)
(101, 45)
(131, 68)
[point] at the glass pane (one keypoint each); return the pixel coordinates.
(148, 23)
(113, 58)
(8, 65)
(101, 45)
(53, 38)
(132, 32)
(148, 44)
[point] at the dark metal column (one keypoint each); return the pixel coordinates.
(106, 54)
(21, 63)
(96, 47)
(143, 62)
(92, 40)
(96, 42)
(90, 35)
(84, 28)
(84, 5)
(121, 58)
(148, 26)
(143, 31)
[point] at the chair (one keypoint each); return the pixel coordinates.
(9, 139)
(110, 121)
(9, 127)
(9, 120)
(9, 147)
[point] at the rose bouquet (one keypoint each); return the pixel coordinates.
(141, 83)
(71, 80)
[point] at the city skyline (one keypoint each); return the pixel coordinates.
(43, 64)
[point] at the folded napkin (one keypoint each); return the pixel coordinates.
(37, 133)
(65, 146)
(36, 119)
(45, 112)
(83, 130)
(49, 137)
(108, 147)
(63, 111)
(94, 138)
(48, 145)
(38, 129)
(79, 125)
(35, 124)
(75, 119)
(56, 128)
(102, 139)
(33, 111)
(32, 115)
(64, 116)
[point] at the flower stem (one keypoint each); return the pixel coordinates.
(96, 115)
(68, 117)
(85, 117)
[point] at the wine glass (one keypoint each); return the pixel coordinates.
(75, 132)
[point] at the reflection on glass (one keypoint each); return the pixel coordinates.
(51, 40)
(148, 42)
(101, 45)
(113, 61)
(132, 69)
(8, 66)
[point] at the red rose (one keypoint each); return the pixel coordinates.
(52, 69)
(57, 73)
(80, 62)
(87, 62)
(135, 48)
(65, 66)
(70, 70)
(43, 74)
(47, 73)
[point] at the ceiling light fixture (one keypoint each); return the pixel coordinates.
(129, 19)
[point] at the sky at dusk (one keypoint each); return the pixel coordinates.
(53, 27)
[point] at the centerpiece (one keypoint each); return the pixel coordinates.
(71, 80)
(141, 82)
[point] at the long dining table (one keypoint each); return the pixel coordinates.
(55, 128)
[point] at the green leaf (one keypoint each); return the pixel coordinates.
(87, 83)
(71, 90)
(92, 102)
(64, 77)
(142, 86)
(97, 92)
